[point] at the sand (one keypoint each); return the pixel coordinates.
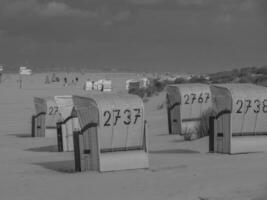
(32, 169)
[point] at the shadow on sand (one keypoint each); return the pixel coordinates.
(66, 166)
(51, 148)
(169, 151)
(163, 134)
(178, 141)
(21, 135)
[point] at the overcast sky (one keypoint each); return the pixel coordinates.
(159, 35)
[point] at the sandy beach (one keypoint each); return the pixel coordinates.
(31, 168)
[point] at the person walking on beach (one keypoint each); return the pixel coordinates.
(65, 81)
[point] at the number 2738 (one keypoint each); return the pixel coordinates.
(243, 106)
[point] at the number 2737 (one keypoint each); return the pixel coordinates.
(127, 116)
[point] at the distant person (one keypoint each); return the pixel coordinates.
(53, 79)
(65, 81)
(20, 83)
(76, 79)
(93, 85)
(47, 81)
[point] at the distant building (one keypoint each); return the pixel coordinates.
(104, 85)
(132, 84)
(100, 85)
(137, 83)
(23, 70)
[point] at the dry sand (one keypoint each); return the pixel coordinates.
(31, 169)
